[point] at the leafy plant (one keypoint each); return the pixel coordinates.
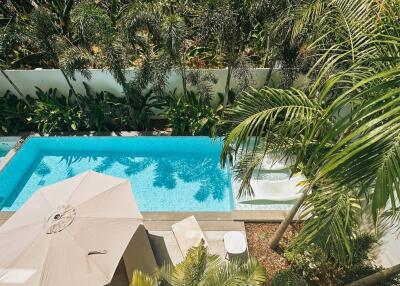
(288, 278)
(192, 115)
(52, 113)
(12, 114)
(103, 111)
(144, 105)
(200, 268)
(316, 267)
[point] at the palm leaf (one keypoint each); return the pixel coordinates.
(141, 279)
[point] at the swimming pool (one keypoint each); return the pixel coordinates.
(6, 144)
(166, 173)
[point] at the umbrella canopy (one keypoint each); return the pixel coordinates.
(70, 233)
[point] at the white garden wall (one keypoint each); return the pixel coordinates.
(26, 80)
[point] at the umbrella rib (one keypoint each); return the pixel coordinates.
(45, 199)
(77, 187)
(46, 258)
(102, 193)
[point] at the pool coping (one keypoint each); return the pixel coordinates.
(234, 215)
(10, 154)
(23, 136)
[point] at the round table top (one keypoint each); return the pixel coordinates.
(235, 242)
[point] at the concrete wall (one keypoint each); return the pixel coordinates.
(26, 80)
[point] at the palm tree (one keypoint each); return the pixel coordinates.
(344, 129)
(174, 31)
(223, 26)
(55, 47)
(200, 268)
(10, 37)
(118, 37)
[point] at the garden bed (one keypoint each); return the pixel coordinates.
(258, 235)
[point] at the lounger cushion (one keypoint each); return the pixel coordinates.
(188, 234)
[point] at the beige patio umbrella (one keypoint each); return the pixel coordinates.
(70, 233)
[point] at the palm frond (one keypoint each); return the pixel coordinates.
(72, 58)
(90, 23)
(332, 214)
(141, 279)
(368, 154)
(276, 115)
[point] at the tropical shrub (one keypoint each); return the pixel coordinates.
(317, 268)
(200, 268)
(191, 115)
(12, 114)
(104, 111)
(288, 278)
(314, 266)
(53, 113)
(141, 106)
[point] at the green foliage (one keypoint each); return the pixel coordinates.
(343, 129)
(52, 113)
(11, 109)
(104, 111)
(191, 115)
(288, 278)
(316, 266)
(212, 29)
(200, 268)
(142, 105)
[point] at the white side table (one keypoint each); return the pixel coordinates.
(235, 244)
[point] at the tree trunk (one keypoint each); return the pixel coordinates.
(274, 242)
(183, 76)
(377, 277)
(184, 82)
(269, 74)
(227, 86)
(72, 89)
(21, 95)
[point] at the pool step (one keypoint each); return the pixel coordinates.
(259, 215)
(175, 216)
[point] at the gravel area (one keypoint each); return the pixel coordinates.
(258, 235)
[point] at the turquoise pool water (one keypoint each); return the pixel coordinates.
(166, 173)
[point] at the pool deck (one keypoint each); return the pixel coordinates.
(164, 244)
(214, 225)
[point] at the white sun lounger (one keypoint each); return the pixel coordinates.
(273, 162)
(188, 234)
(276, 191)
